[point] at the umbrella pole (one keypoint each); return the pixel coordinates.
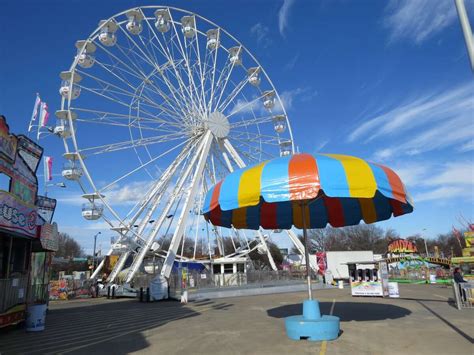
(306, 251)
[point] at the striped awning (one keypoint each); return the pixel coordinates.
(336, 189)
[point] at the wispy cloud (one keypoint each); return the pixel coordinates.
(418, 20)
(303, 94)
(118, 196)
(291, 64)
(261, 33)
(467, 147)
(424, 123)
(283, 15)
(431, 181)
(321, 145)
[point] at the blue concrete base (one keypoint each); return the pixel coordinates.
(311, 325)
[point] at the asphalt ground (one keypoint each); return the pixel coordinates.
(422, 321)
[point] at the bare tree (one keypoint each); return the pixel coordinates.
(68, 247)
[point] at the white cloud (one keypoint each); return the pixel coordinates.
(118, 196)
(283, 15)
(467, 147)
(412, 174)
(383, 154)
(288, 97)
(128, 194)
(291, 64)
(418, 20)
(424, 123)
(430, 181)
(261, 32)
(321, 145)
(441, 193)
(456, 173)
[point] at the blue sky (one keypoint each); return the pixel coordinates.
(386, 81)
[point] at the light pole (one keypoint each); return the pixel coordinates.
(59, 184)
(93, 255)
(426, 247)
(466, 29)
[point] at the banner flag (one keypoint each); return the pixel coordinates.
(35, 112)
(48, 169)
(44, 117)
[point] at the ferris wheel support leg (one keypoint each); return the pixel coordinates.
(297, 243)
(181, 225)
(101, 264)
(269, 255)
(98, 268)
(119, 266)
(206, 142)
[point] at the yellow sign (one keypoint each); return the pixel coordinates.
(469, 238)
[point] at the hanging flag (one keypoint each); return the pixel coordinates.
(44, 117)
(35, 112)
(48, 169)
(457, 234)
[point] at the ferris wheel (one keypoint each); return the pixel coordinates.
(158, 105)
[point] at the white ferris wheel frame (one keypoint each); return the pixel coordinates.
(201, 152)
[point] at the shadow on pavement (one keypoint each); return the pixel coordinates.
(445, 321)
(107, 328)
(346, 311)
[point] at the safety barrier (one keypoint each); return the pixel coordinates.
(463, 294)
(12, 292)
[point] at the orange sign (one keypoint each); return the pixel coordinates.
(402, 246)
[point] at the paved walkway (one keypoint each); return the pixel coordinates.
(421, 322)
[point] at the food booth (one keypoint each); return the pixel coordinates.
(369, 278)
(20, 226)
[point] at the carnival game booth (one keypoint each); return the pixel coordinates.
(19, 224)
(369, 278)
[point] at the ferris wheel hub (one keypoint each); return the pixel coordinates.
(218, 124)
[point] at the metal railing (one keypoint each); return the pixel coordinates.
(463, 294)
(255, 278)
(13, 291)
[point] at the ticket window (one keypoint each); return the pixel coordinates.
(376, 275)
(352, 272)
(367, 274)
(359, 275)
(371, 275)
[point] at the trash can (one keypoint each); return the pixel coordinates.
(35, 317)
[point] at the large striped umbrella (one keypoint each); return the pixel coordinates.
(307, 191)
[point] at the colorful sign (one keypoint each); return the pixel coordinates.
(17, 216)
(29, 151)
(49, 237)
(8, 143)
(366, 288)
(321, 259)
(402, 246)
(469, 238)
(46, 207)
(393, 291)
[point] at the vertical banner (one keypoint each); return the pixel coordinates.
(35, 112)
(44, 117)
(48, 169)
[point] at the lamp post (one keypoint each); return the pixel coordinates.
(59, 184)
(93, 255)
(426, 247)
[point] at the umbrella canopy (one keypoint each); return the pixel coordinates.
(337, 189)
